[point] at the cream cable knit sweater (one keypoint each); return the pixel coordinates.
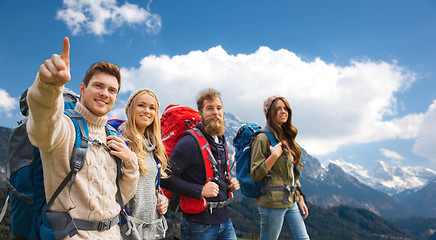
(94, 190)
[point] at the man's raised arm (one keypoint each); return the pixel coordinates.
(45, 100)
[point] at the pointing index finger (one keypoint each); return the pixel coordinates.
(66, 51)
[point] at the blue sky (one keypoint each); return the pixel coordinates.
(359, 75)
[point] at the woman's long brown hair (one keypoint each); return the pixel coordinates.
(286, 132)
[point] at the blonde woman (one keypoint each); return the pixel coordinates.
(142, 133)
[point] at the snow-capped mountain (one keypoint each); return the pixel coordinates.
(332, 186)
(386, 178)
(232, 125)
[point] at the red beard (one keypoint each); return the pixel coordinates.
(214, 125)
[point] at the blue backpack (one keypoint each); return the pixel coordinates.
(242, 143)
(28, 205)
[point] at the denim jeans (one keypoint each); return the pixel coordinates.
(272, 220)
(197, 231)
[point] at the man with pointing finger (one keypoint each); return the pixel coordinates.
(187, 175)
(92, 198)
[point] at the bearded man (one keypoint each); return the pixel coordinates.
(187, 175)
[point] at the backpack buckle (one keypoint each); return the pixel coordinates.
(124, 215)
(78, 159)
(104, 225)
(290, 188)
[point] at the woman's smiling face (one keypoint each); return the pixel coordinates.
(281, 112)
(145, 111)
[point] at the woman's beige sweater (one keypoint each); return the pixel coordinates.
(94, 191)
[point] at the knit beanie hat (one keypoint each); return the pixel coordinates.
(267, 103)
(136, 93)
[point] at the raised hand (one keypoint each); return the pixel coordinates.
(57, 69)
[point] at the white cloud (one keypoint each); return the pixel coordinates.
(7, 103)
(332, 105)
(391, 154)
(118, 111)
(102, 17)
(425, 143)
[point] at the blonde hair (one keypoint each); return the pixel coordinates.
(136, 138)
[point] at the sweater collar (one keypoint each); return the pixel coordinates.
(91, 118)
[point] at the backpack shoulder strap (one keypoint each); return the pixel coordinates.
(78, 155)
(110, 131)
(209, 160)
(82, 132)
(229, 169)
(271, 136)
(159, 166)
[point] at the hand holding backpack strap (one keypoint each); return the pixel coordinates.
(124, 214)
(287, 189)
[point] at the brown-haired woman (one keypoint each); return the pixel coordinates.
(277, 166)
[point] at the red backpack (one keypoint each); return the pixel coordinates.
(176, 121)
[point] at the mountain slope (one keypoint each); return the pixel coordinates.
(5, 232)
(423, 200)
(346, 222)
(4, 138)
(339, 188)
(421, 228)
(341, 222)
(389, 179)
